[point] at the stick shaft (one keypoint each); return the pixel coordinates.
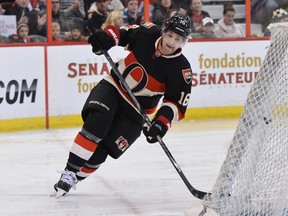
(198, 194)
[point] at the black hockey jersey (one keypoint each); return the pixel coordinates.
(151, 75)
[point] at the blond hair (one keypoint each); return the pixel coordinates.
(56, 25)
(111, 18)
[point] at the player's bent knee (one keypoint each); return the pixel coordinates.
(98, 124)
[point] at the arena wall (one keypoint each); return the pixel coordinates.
(45, 86)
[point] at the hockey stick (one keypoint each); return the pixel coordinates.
(196, 193)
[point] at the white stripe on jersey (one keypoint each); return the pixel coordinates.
(112, 81)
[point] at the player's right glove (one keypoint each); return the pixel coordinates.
(158, 128)
(104, 40)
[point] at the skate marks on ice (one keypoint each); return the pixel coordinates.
(142, 182)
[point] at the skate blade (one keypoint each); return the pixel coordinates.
(59, 193)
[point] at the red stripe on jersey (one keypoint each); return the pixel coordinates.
(153, 84)
(130, 59)
(165, 121)
(85, 143)
(150, 111)
(180, 114)
(127, 97)
(156, 86)
(87, 170)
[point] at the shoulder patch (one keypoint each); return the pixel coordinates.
(187, 75)
(148, 25)
(129, 27)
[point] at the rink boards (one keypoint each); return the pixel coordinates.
(46, 86)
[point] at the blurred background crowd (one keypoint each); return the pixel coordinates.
(75, 20)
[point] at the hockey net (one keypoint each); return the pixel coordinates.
(253, 179)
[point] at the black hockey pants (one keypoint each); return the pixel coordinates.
(111, 119)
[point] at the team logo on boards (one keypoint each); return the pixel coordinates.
(187, 75)
(122, 143)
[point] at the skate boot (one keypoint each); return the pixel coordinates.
(67, 181)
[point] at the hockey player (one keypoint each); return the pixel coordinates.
(154, 68)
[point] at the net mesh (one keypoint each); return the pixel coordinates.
(253, 179)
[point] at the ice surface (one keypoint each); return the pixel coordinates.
(142, 182)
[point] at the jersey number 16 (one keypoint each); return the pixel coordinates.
(184, 100)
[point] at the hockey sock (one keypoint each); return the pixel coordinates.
(98, 157)
(86, 171)
(81, 151)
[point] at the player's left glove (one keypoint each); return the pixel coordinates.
(104, 40)
(158, 128)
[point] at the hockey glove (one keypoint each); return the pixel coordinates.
(104, 40)
(157, 128)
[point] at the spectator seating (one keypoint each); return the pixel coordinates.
(256, 29)
(216, 12)
(223, 1)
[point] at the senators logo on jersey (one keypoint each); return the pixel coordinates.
(122, 143)
(187, 75)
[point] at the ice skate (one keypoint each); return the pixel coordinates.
(67, 181)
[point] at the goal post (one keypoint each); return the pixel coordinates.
(253, 179)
